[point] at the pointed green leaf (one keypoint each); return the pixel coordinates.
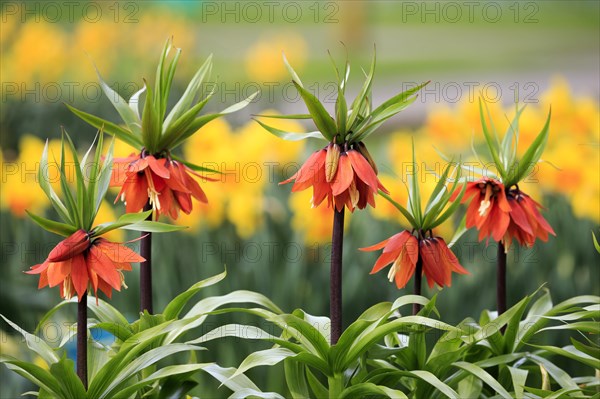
(290, 136)
(531, 156)
(44, 181)
(35, 343)
(295, 76)
(134, 102)
(62, 229)
(190, 93)
(108, 127)
(153, 227)
(123, 220)
(37, 375)
(358, 102)
(405, 212)
(127, 114)
(151, 123)
(75, 213)
(491, 143)
(174, 307)
(321, 118)
(484, 376)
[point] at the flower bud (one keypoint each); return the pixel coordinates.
(73, 245)
(331, 161)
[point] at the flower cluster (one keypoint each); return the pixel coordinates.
(168, 185)
(79, 262)
(342, 177)
(404, 251)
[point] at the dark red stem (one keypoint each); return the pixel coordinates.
(501, 279)
(417, 284)
(335, 287)
(82, 339)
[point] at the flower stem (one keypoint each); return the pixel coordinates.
(146, 268)
(335, 285)
(336, 385)
(417, 284)
(501, 279)
(82, 339)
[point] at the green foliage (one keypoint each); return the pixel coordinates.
(154, 129)
(383, 353)
(78, 209)
(386, 354)
(350, 125)
(130, 366)
(436, 210)
(504, 152)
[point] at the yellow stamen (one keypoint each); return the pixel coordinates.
(152, 193)
(68, 287)
(354, 194)
(395, 268)
(485, 204)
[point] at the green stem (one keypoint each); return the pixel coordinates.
(336, 385)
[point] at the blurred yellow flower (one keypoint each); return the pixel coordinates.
(263, 59)
(313, 224)
(106, 213)
(38, 54)
(20, 188)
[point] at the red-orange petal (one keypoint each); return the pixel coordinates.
(158, 166)
(118, 253)
(384, 259)
(73, 245)
(343, 177)
(377, 246)
(104, 267)
(58, 271)
(363, 169)
(407, 269)
(499, 221)
(79, 275)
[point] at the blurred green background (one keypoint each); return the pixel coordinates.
(541, 52)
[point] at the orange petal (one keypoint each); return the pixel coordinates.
(104, 267)
(499, 221)
(313, 164)
(118, 253)
(57, 271)
(407, 269)
(384, 259)
(519, 217)
(158, 166)
(37, 269)
(363, 169)
(73, 245)
(343, 177)
(377, 246)
(136, 193)
(79, 275)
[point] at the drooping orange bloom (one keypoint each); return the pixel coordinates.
(526, 221)
(403, 250)
(344, 178)
(166, 183)
(78, 262)
(489, 209)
